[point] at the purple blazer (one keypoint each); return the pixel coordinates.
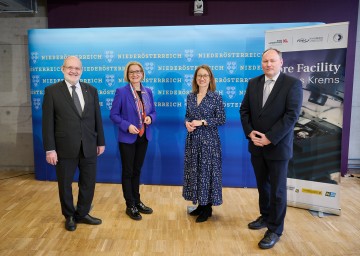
(124, 112)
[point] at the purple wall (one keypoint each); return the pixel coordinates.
(83, 14)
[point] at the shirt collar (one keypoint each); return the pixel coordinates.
(77, 85)
(274, 78)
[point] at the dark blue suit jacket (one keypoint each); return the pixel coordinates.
(276, 119)
(124, 112)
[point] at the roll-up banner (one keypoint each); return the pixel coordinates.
(170, 55)
(317, 56)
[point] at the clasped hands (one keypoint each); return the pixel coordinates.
(191, 126)
(259, 139)
(134, 130)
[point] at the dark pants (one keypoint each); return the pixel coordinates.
(132, 159)
(65, 170)
(271, 178)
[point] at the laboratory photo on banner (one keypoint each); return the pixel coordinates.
(317, 134)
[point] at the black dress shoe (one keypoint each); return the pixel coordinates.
(206, 213)
(143, 208)
(89, 220)
(259, 223)
(70, 223)
(269, 240)
(133, 213)
(198, 210)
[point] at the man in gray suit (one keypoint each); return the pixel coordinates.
(269, 111)
(73, 137)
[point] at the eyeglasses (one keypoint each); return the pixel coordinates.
(73, 68)
(135, 72)
(202, 76)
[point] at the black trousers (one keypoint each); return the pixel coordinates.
(65, 170)
(271, 177)
(132, 159)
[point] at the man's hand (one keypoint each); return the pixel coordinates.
(100, 150)
(259, 139)
(51, 157)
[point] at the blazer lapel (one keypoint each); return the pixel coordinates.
(260, 91)
(130, 98)
(276, 89)
(67, 95)
(86, 96)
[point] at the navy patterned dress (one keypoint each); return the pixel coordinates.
(202, 167)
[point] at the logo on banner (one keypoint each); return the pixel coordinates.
(330, 194)
(231, 67)
(230, 91)
(279, 42)
(188, 79)
(34, 56)
(189, 54)
(110, 79)
(149, 67)
(338, 37)
(315, 39)
(35, 79)
(109, 102)
(37, 103)
(109, 56)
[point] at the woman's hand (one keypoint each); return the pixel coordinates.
(147, 120)
(132, 129)
(189, 126)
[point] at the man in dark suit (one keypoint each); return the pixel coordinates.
(73, 137)
(269, 111)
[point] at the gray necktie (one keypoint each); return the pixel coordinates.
(267, 90)
(76, 100)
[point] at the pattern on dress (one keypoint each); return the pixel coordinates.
(203, 156)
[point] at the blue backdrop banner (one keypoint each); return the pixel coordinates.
(170, 56)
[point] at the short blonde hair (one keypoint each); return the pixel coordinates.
(212, 84)
(126, 71)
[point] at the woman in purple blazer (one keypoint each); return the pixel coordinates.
(133, 112)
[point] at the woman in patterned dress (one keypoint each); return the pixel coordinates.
(202, 167)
